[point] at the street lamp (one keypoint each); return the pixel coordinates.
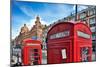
(76, 12)
(17, 58)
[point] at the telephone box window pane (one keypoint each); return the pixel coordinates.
(63, 52)
(36, 62)
(84, 54)
(35, 54)
(36, 58)
(32, 54)
(35, 50)
(32, 58)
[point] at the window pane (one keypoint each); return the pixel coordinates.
(93, 37)
(92, 29)
(92, 20)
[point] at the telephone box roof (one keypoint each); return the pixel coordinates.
(73, 23)
(31, 41)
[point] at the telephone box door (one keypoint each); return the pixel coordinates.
(60, 55)
(34, 56)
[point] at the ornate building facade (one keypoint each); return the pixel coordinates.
(35, 32)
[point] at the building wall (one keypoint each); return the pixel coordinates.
(36, 31)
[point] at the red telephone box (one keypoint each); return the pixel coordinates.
(32, 52)
(69, 42)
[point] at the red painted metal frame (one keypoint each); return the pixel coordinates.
(71, 43)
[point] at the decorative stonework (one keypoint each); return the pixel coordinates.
(36, 30)
(24, 29)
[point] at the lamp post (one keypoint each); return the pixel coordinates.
(17, 58)
(76, 12)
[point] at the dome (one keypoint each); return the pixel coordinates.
(37, 18)
(24, 29)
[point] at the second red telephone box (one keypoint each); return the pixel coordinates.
(69, 42)
(32, 52)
